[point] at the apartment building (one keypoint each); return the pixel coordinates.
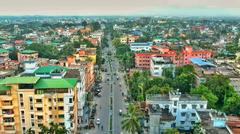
(140, 46)
(142, 59)
(158, 64)
(31, 102)
(174, 110)
(27, 55)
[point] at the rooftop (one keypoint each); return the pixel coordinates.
(20, 80)
(201, 62)
(27, 51)
(4, 87)
(56, 83)
(49, 69)
(3, 50)
(141, 44)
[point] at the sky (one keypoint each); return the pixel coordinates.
(120, 7)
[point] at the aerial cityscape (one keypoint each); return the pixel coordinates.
(120, 67)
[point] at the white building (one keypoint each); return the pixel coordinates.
(158, 64)
(30, 67)
(174, 110)
(140, 46)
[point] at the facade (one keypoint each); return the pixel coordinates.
(142, 59)
(158, 64)
(31, 102)
(27, 55)
(143, 46)
(129, 39)
(174, 110)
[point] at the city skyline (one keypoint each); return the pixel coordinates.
(109, 7)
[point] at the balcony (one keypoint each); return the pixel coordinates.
(9, 123)
(8, 114)
(10, 130)
(7, 105)
(39, 112)
(6, 97)
(38, 105)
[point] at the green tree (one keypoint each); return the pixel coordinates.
(68, 49)
(197, 128)
(159, 90)
(232, 105)
(30, 131)
(84, 23)
(53, 129)
(116, 41)
(206, 94)
(172, 131)
(130, 122)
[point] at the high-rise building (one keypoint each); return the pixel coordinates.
(32, 102)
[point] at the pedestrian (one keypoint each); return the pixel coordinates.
(102, 127)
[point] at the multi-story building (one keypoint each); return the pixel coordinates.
(202, 69)
(140, 46)
(83, 54)
(27, 55)
(142, 59)
(174, 110)
(158, 64)
(31, 102)
(129, 39)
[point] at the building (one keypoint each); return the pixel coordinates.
(143, 46)
(27, 55)
(142, 59)
(202, 68)
(50, 72)
(158, 64)
(83, 54)
(129, 39)
(234, 124)
(31, 102)
(174, 110)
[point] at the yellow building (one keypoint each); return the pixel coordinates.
(31, 102)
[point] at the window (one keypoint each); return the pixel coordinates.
(22, 112)
(70, 100)
(32, 124)
(194, 106)
(61, 124)
(23, 121)
(174, 110)
(24, 129)
(40, 125)
(201, 106)
(39, 109)
(49, 100)
(184, 106)
(21, 95)
(182, 122)
(183, 114)
(192, 122)
(61, 108)
(30, 99)
(61, 116)
(31, 108)
(32, 116)
(22, 105)
(39, 100)
(50, 116)
(60, 99)
(175, 103)
(50, 108)
(193, 114)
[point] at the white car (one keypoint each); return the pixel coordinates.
(98, 121)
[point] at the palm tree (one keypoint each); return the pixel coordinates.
(131, 122)
(54, 129)
(30, 131)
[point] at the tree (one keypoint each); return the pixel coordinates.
(116, 41)
(30, 131)
(220, 86)
(53, 129)
(197, 128)
(159, 89)
(232, 105)
(84, 23)
(68, 49)
(130, 122)
(206, 94)
(172, 131)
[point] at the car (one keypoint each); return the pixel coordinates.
(98, 121)
(120, 112)
(117, 77)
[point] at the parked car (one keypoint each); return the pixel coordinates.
(98, 121)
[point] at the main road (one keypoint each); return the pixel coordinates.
(112, 100)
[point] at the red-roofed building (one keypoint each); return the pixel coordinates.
(142, 60)
(19, 42)
(234, 124)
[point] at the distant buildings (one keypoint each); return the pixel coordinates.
(128, 39)
(140, 46)
(142, 59)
